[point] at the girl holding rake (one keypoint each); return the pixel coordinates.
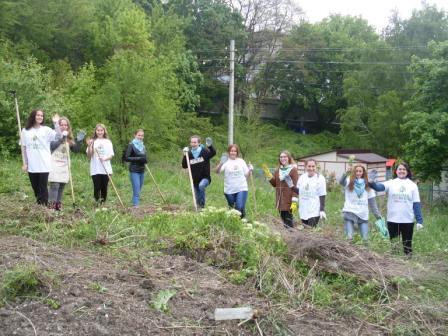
(136, 156)
(35, 142)
(60, 174)
(100, 151)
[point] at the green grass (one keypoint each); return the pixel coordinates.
(241, 251)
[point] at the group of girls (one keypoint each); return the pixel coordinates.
(46, 159)
(45, 153)
(403, 200)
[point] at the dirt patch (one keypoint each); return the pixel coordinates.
(150, 209)
(101, 295)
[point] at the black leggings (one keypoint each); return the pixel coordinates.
(406, 230)
(312, 221)
(287, 218)
(100, 182)
(39, 184)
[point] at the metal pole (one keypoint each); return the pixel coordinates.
(231, 90)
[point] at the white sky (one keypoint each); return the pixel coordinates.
(377, 12)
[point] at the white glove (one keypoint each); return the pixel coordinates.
(224, 158)
(288, 181)
(208, 141)
(64, 134)
(419, 226)
(250, 167)
(185, 150)
(323, 215)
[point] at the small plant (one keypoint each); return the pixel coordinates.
(161, 300)
(25, 280)
(96, 286)
(52, 303)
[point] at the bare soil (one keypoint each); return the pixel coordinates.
(105, 295)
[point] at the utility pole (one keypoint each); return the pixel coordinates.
(231, 90)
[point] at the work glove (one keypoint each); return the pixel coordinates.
(267, 172)
(323, 215)
(64, 134)
(419, 226)
(372, 175)
(80, 136)
(208, 141)
(250, 167)
(293, 207)
(288, 181)
(223, 158)
(185, 150)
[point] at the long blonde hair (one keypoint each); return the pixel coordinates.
(105, 136)
(69, 129)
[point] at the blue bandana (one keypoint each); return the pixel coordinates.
(360, 186)
(196, 152)
(283, 171)
(139, 145)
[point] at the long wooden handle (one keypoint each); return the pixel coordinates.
(191, 181)
(154, 180)
(254, 189)
(70, 170)
(19, 125)
(110, 179)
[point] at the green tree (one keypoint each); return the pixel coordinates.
(427, 123)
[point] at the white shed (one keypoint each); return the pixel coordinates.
(337, 162)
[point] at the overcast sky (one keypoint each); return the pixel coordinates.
(377, 12)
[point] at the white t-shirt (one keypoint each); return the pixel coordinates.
(310, 188)
(234, 175)
(401, 194)
(357, 205)
(104, 148)
(37, 148)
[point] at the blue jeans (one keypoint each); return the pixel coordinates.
(200, 192)
(137, 180)
(237, 201)
(363, 229)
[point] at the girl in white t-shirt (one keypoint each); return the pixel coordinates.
(312, 189)
(235, 172)
(403, 205)
(358, 198)
(100, 151)
(35, 142)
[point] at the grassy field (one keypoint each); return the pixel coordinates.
(242, 252)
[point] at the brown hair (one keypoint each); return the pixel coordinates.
(229, 148)
(309, 160)
(351, 184)
(196, 137)
(106, 136)
(32, 119)
(139, 130)
(290, 159)
(405, 165)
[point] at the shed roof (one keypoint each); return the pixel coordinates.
(361, 155)
(366, 157)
